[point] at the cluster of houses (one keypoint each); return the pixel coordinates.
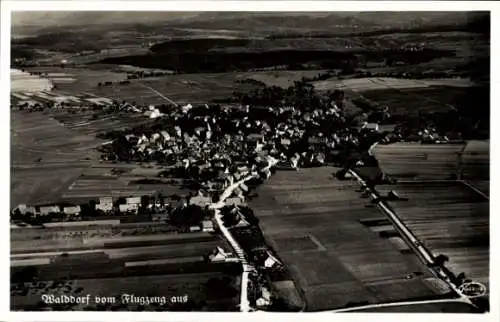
(159, 208)
(50, 99)
(202, 140)
(41, 100)
(427, 135)
(47, 210)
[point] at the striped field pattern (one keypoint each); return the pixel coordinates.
(313, 222)
(449, 218)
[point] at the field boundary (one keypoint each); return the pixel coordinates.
(422, 252)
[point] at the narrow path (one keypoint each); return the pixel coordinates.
(374, 306)
(475, 189)
(158, 93)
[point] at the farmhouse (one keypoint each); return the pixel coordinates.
(218, 255)
(270, 261)
(194, 229)
(207, 226)
(133, 200)
(45, 210)
(234, 201)
(373, 127)
(105, 204)
(72, 210)
(126, 208)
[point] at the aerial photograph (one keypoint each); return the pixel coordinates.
(250, 161)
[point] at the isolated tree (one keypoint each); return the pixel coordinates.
(441, 259)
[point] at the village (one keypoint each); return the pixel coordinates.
(221, 155)
(251, 162)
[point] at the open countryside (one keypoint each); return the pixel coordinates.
(282, 162)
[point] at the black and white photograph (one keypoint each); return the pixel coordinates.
(250, 161)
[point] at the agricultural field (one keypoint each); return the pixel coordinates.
(475, 162)
(92, 123)
(77, 80)
(382, 83)
(197, 88)
(22, 81)
(45, 157)
(182, 89)
(314, 223)
(115, 242)
(118, 180)
(101, 259)
(408, 102)
(53, 158)
(419, 161)
(413, 161)
(450, 218)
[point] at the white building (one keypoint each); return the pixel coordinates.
(235, 201)
(270, 261)
(208, 226)
(165, 135)
(194, 229)
(265, 299)
(219, 255)
(72, 210)
(104, 207)
(133, 200)
(105, 204)
(129, 208)
(370, 126)
(45, 210)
